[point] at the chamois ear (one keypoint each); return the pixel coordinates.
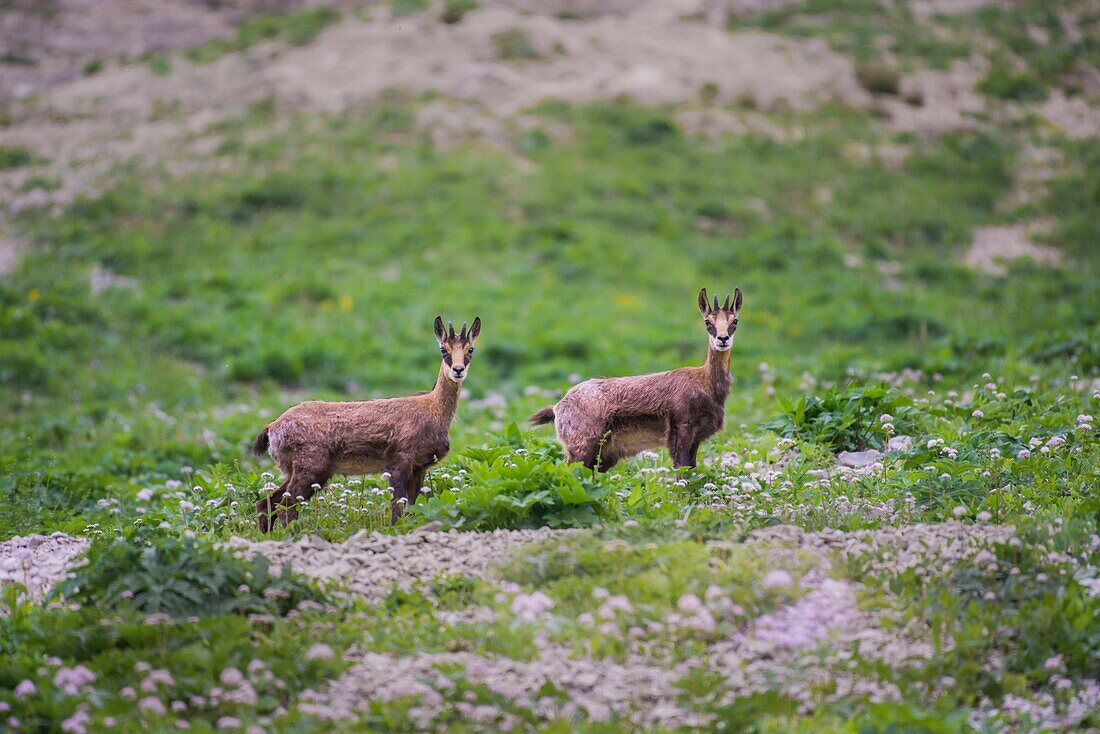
(439, 333)
(704, 304)
(736, 300)
(475, 329)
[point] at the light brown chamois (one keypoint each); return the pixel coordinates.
(402, 436)
(604, 420)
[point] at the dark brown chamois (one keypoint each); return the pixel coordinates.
(604, 420)
(402, 436)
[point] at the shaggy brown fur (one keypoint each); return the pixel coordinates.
(403, 436)
(601, 421)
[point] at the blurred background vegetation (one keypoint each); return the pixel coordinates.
(157, 322)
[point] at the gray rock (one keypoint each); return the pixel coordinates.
(857, 459)
(900, 443)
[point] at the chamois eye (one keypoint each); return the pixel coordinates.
(471, 350)
(443, 350)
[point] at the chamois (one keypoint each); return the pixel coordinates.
(403, 436)
(604, 420)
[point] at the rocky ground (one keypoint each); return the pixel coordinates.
(39, 562)
(372, 564)
(772, 652)
(498, 61)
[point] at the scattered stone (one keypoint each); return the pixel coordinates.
(1074, 116)
(38, 562)
(937, 102)
(995, 247)
(371, 565)
(644, 694)
(858, 459)
(899, 443)
(928, 548)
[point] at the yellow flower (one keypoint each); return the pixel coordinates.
(33, 295)
(625, 300)
(345, 303)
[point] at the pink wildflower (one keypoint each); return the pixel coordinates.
(530, 607)
(24, 689)
(71, 680)
(320, 651)
(233, 677)
(689, 604)
(76, 724)
(777, 578)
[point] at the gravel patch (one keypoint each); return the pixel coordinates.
(799, 648)
(823, 635)
(635, 691)
(38, 562)
(928, 548)
(370, 565)
(802, 648)
(994, 247)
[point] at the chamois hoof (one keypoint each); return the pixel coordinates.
(287, 515)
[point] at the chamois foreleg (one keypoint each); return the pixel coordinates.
(693, 452)
(416, 483)
(680, 440)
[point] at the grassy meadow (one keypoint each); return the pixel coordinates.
(153, 331)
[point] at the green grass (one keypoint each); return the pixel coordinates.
(297, 29)
(864, 29)
(312, 264)
(261, 287)
(15, 156)
(401, 8)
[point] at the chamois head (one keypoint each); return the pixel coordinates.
(721, 321)
(457, 349)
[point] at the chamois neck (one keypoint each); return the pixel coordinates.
(716, 372)
(446, 391)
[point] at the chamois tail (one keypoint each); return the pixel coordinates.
(261, 444)
(544, 416)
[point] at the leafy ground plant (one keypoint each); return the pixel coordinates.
(518, 486)
(850, 419)
(182, 578)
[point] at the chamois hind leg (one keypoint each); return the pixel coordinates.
(300, 489)
(399, 486)
(595, 455)
(267, 506)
